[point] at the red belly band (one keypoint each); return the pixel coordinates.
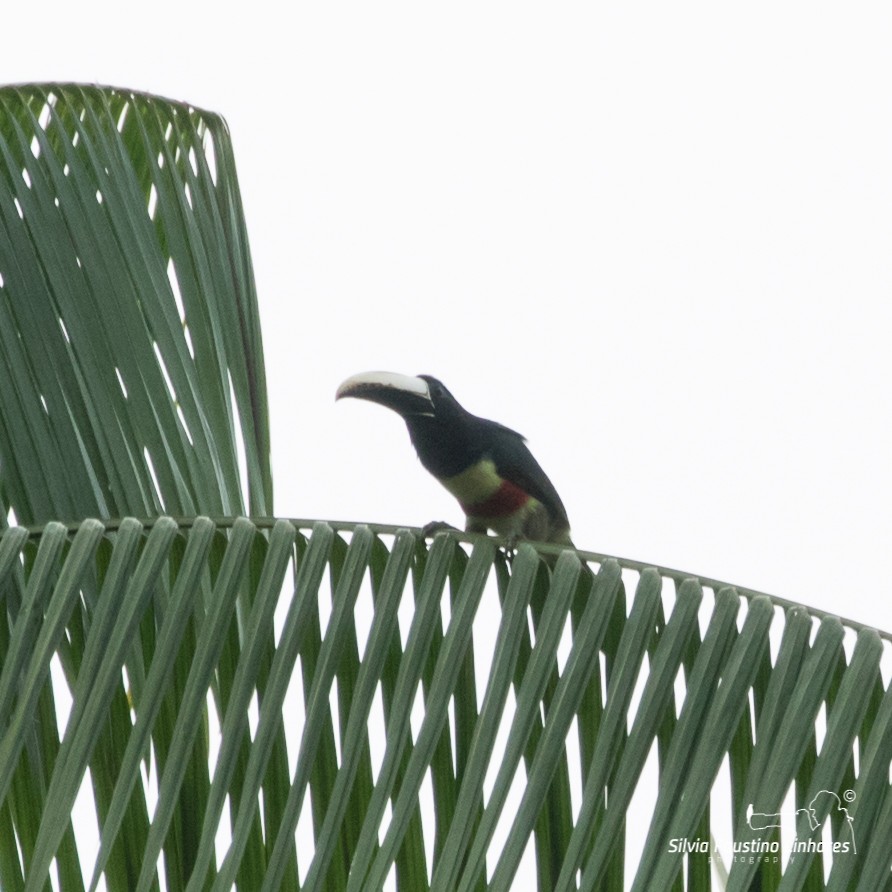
(502, 503)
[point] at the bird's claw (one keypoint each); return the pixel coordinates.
(434, 527)
(511, 547)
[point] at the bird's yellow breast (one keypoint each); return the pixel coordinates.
(475, 484)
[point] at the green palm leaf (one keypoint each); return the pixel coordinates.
(131, 356)
(157, 573)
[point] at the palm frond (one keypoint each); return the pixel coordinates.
(352, 779)
(130, 350)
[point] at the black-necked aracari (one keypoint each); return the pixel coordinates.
(485, 465)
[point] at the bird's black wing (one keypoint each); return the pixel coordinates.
(515, 462)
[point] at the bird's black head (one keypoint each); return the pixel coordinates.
(446, 406)
(443, 433)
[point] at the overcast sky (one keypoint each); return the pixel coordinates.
(653, 237)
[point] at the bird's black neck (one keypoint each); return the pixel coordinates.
(444, 450)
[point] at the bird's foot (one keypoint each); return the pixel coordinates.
(434, 527)
(511, 547)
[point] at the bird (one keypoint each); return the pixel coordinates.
(486, 466)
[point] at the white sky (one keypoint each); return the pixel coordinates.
(653, 237)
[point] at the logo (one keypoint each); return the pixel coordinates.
(823, 801)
